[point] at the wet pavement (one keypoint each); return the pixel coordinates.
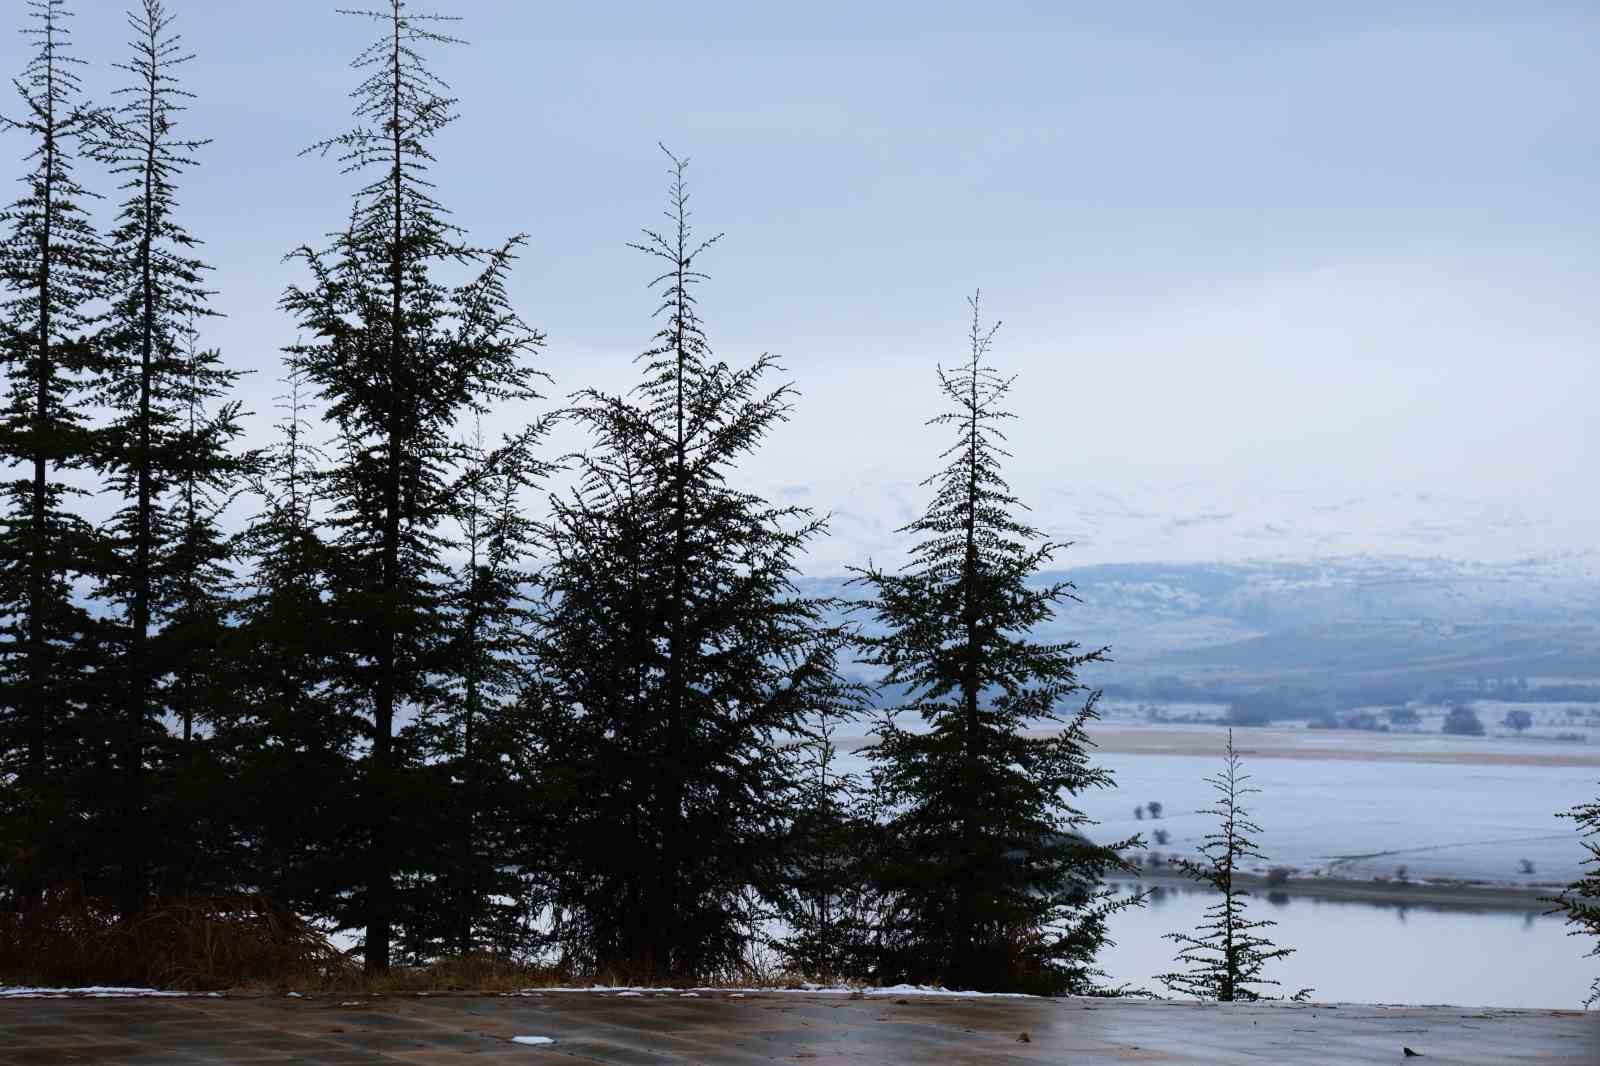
(717, 1028)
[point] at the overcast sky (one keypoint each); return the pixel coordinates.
(1249, 256)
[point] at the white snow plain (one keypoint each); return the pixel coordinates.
(97, 992)
(813, 990)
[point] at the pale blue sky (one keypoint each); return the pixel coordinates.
(1242, 250)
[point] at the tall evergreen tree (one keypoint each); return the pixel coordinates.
(1580, 901)
(678, 653)
(167, 455)
(400, 356)
(53, 268)
(1226, 957)
(986, 885)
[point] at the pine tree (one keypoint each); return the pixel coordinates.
(827, 907)
(677, 652)
(167, 456)
(196, 590)
(479, 731)
(209, 477)
(987, 884)
(53, 269)
(283, 731)
(1225, 956)
(1580, 901)
(400, 357)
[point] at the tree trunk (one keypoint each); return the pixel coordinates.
(39, 700)
(380, 877)
(133, 889)
(967, 887)
(469, 775)
(668, 928)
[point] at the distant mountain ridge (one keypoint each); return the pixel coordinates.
(1213, 522)
(1350, 628)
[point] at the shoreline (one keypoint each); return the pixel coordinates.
(1265, 742)
(1439, 895)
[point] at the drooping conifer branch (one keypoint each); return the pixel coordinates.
(1579, 902)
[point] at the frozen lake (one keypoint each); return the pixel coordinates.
(1345, 817)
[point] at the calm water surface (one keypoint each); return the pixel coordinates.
(1365, 953)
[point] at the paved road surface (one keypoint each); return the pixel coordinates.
(720, 1030)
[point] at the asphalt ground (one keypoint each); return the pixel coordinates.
(720, 1029)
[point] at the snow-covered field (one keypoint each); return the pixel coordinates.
(94, 992)
(1345, 818)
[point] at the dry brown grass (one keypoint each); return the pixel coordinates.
(244, 944)
(199, 945)
(478, 972)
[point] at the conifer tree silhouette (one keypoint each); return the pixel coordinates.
(986, 884)
(1225, 956)
(53, 268)
(826, 910)
(678, 652)
(283, 730)
(479, 729)
(167, 455)
(399, 355)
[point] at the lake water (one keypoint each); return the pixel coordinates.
(1363, 953)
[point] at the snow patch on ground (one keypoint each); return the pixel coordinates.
(95, 992)
(812, 990)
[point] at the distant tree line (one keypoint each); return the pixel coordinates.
(1262, 703)
(398, 698)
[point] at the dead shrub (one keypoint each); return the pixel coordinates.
(192, 944)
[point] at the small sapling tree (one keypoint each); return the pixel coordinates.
(1225, 957)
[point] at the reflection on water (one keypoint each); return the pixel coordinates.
(1353, 952)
